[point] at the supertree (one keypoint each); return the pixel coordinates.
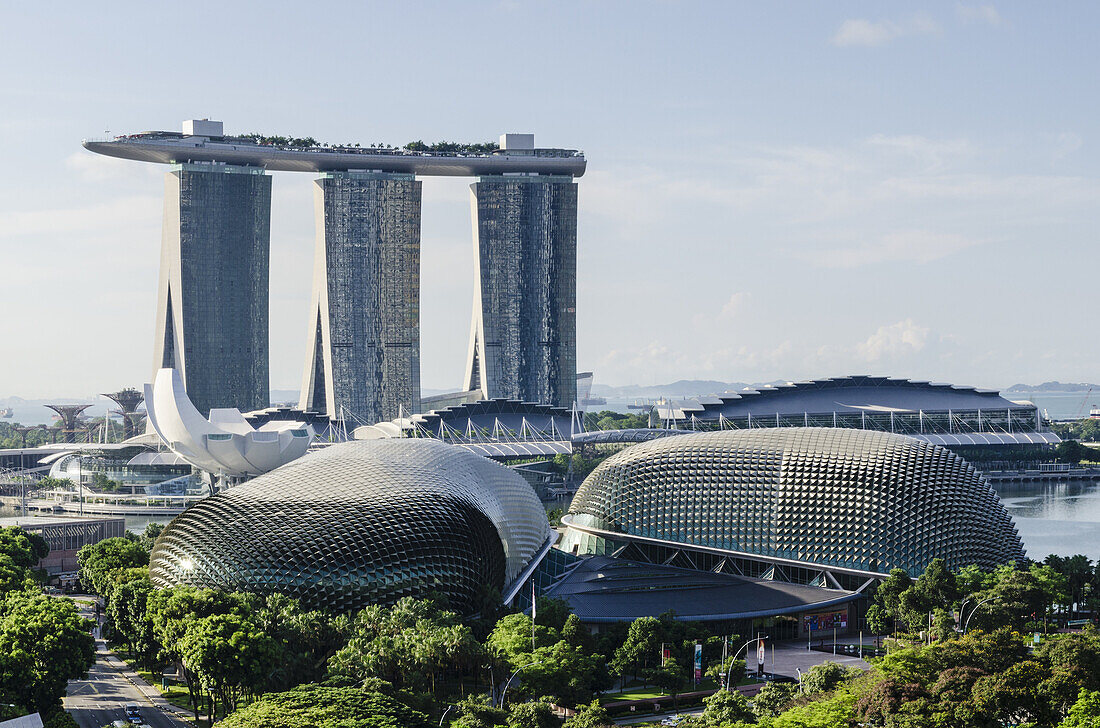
(70, 418)
(128, 401)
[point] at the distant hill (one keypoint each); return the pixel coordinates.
(1054, 387)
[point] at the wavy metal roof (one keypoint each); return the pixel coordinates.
(842, 394)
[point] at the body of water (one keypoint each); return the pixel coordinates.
(1056, 518)
(1059, 405)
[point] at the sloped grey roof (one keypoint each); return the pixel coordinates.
(845, 394)
(603, 589)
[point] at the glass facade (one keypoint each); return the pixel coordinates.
(855, 499)
(364, 358)
(524, 337)
(212, 322)
(363, 522)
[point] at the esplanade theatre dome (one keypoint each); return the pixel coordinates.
(363, 522)
(852, 499)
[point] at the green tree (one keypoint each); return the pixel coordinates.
(669, 677)
(563, 672)
(316, 706)
(990, 652)
(575, 633)
(773, 698)
(1013, 696)
(938, 584)
(726, 706)
(641, 648)
(824, 677)
(474, 712)
(533, 714)
(591, 715)
(24, 549)
(230, 656)
(150, 534)
(511, 636)
(99, 561)
(878, 621)
(886, 700)
(407, 644)
(552, 613)
(889, 592)
(1085, 713)
(44, 643)
(127, 611)
(306, 640)
(172, 611)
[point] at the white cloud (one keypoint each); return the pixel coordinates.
(980, 14)
(915, 246)
(135, 212)
(863, 32)
(99, 168)
(903, 337)
(735, 304)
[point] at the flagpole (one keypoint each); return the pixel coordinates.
(532, 614)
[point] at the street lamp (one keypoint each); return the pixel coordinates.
(729, 670)
(505, 691)
(448, 710)
(966, 624)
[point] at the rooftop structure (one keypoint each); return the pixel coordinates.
(603, 589)
(203, 141)
(495, 428)
(820, 504)
(942, 414)
(128, 401)
(70, 418)
(363, 523)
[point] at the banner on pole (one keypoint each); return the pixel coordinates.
(698, 663)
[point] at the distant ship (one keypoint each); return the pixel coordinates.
(6, 412)
(1094, 413)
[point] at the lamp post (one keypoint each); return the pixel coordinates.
(966, 624)
(448, 710)
(729, 670)
(505, 691)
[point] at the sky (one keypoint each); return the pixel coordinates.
(774, 190)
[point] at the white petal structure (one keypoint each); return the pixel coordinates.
(225, 444)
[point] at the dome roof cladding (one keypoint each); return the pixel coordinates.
(358, 523)
(855, 499)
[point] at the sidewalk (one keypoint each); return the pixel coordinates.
(790, 657)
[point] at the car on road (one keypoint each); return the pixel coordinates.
(133, 713)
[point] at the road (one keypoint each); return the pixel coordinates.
(98, 700)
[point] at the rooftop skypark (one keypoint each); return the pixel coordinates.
(205, 141)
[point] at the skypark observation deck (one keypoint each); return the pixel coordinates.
(166, 147)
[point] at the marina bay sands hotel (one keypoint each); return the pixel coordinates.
(363, 358)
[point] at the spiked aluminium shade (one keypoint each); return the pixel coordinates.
(855, 499)
(364, 522)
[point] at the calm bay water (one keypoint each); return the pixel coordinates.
(1056, 518)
